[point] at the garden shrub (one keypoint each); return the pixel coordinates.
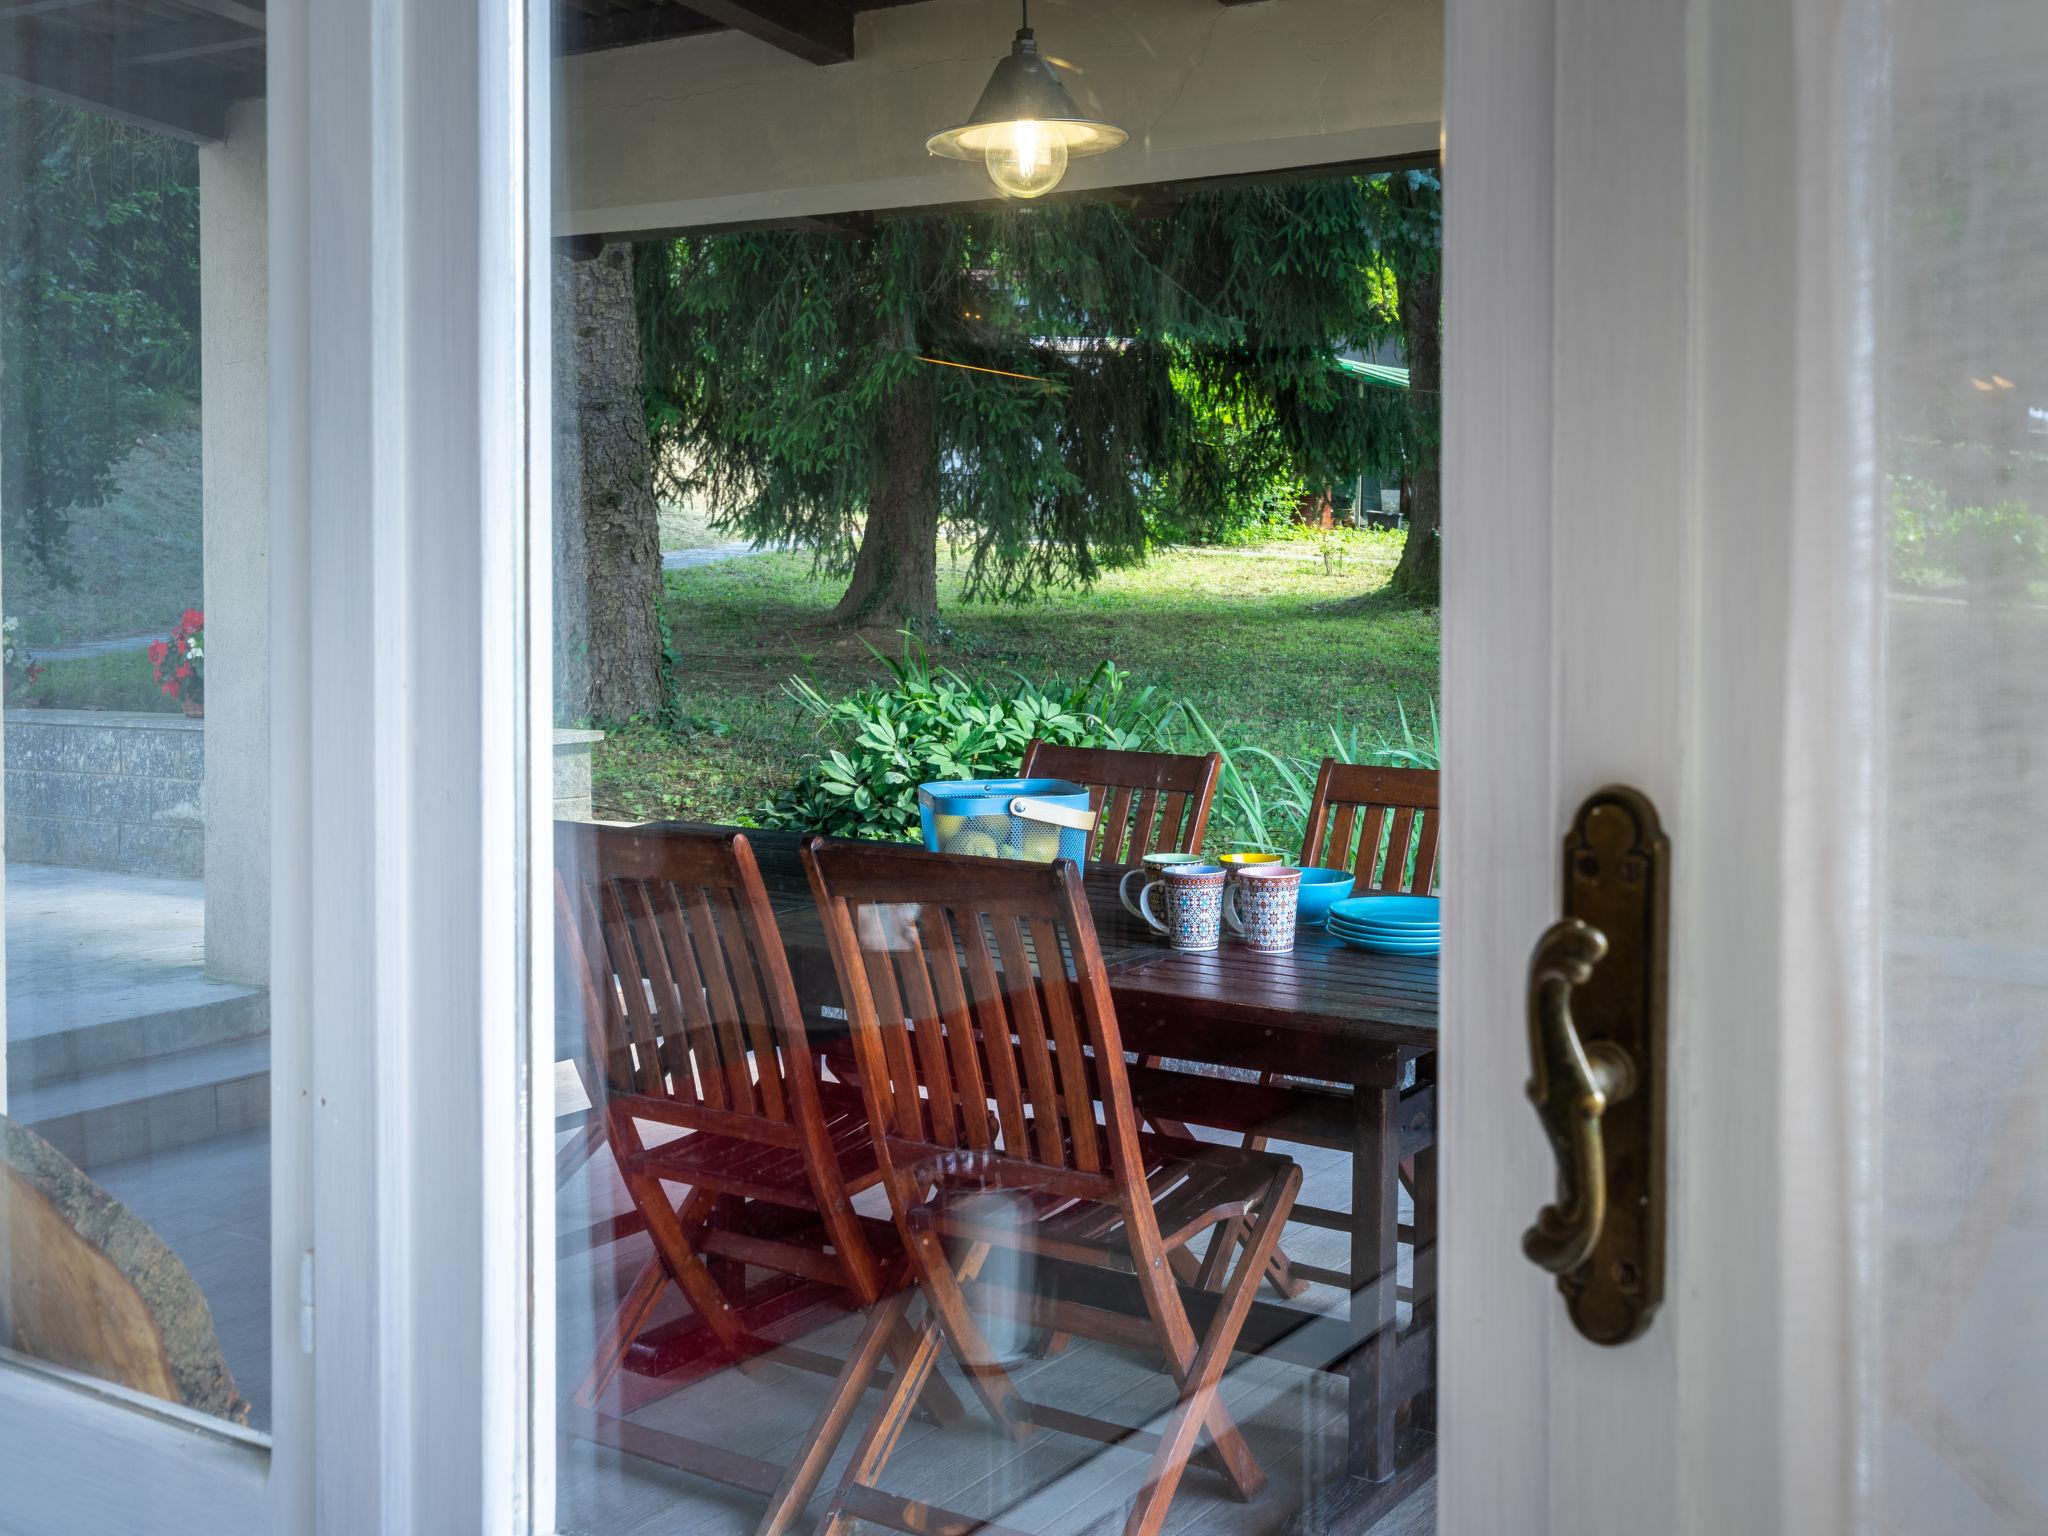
(926, 724)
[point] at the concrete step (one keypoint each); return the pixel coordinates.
(59, 1055)
(151, 1105)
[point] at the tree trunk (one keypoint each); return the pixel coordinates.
(86, 1284)
(608, 655)
(1419, 576)
(896, 574)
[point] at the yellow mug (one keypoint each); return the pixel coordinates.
(1239, 860)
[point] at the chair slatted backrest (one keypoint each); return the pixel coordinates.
(685, 986)
(1146, 802)
(1380, 823)
(972, 983)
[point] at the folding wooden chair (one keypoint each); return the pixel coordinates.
(1383, 824)
(692, 1025)
(1146, 802)
(983, 1025)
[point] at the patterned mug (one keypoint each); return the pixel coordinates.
(1151, 867)
(1238, 861)
(1259, 906)
(1192, 895)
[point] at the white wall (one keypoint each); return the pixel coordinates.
(234, 402)
(725, 129)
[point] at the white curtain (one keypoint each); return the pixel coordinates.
(1950, 1104)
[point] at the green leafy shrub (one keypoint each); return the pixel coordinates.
(1997, 549)
(926, 724)
(1262, 797)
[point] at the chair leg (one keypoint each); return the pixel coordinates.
(638, 1303)
(626, 1325)
(940, 1282)
(1279, 1273)
(581, 1146)
(1177, 1343)
(883, 1333)
(672, 1242)
(878, 1441)
(1200, 1404)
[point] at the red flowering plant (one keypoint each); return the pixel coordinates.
(180, 661)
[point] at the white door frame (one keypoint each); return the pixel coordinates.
(406, 282)
(1633, 281)
(1645, 372)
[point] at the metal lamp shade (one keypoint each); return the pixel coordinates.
(1025, 88)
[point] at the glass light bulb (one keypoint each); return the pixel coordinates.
(1026, 160)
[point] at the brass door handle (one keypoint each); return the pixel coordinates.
(1571, 1090)
(1597, 986)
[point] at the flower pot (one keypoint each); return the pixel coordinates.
(195, 709)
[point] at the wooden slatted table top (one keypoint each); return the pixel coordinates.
(1311, 1004)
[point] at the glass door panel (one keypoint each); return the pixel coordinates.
(135, 1165)
(872, 472)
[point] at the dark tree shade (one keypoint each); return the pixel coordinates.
(99, 306)
(1028, 380)
(1406, 212)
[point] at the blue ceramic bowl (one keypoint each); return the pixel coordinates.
(1320, 888)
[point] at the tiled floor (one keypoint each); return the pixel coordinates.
(211, 1203)
(1051, 1483)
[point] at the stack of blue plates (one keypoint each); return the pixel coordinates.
(1389, 925)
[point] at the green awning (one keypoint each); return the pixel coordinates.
(1375, 373)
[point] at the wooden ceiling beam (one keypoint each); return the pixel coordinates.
(183, 40)
(627, 29)
(80, 73)
(817, 31)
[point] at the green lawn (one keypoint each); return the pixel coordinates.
(109, 680)
(1274, 644)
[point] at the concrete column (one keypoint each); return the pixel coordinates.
(234, 406)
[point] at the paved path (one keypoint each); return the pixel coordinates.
(97, 647)
(710, 554)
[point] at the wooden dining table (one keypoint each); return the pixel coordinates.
(1353, 1036)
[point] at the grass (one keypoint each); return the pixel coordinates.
(109, 680)
(1272, 643)
(137, 558)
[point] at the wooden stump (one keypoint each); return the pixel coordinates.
(86, 1284)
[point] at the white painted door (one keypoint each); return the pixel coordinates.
(1746, 321)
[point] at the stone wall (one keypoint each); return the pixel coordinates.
(103, 790)
(572, 773)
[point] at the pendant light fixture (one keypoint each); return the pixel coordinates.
(1025, 127)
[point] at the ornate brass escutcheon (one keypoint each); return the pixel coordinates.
(1596, 1046)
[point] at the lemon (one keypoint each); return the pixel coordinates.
(976, 844)
(1041, 843)
(948, 828)
(996, 828)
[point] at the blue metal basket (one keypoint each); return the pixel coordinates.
(1038, 819)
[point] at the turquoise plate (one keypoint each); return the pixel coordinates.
(1387, 930)
(1389, 946)
(1390, 911)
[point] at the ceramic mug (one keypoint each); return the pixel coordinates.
(1259, 905)
(1238, 861)
(1192, 896)
(1151, 867)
